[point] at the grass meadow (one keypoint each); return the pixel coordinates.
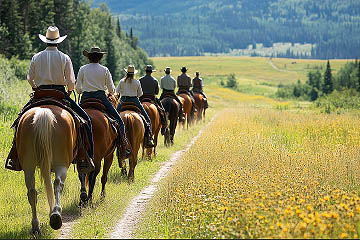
(274, 168)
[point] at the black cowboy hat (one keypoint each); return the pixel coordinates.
(149, 68)
(93, 50)
(183, 69)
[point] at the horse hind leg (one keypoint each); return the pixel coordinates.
(107, 164)
(55, 215)
(32, 198)
(83, 192)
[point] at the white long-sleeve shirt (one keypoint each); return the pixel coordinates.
(93, 77)
(51, 67)
(129, 88)
(167, 82)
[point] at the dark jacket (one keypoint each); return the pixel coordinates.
(149, 85)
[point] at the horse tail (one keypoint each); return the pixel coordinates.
(43, 124)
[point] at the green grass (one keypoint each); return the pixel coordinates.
(256, 78)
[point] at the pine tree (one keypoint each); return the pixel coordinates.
(328, 80)
(10, 17)
(358, 76)
(118, 28)
(110, 49)
(65, 21)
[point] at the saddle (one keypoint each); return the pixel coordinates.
(130, 106)
(56, 98)
(180, 91)
(120, 141)
(93, 103)
(148, 98)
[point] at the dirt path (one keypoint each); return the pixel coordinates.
(276, 68)
(68, 223)
(129, 221)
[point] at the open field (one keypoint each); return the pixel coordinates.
(255, 75)
(264, 173)
(313, 155)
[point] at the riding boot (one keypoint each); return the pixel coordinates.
(12, 161)
(148, 140)
(162, 114)
(123, 148)
(85, 162)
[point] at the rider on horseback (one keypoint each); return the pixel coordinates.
(93, 79)
(197, 83)
(52, 69)
(130, 90)
(150, 87)
(184, 84)
(168, 85)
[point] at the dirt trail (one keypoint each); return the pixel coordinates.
(276, 68)
(129, 221)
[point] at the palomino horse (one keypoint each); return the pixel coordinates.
(172, 109)
(135, 134)
(104, 146)
(154, 115)
(46, 137)
(200, 106)
(187, 105)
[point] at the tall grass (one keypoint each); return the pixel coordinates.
(262, 173)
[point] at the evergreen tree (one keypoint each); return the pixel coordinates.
(358, 76)
(314, 94)
(118, 28)
(11, 19)
(65, 21)
(328, 80)
(110, 49)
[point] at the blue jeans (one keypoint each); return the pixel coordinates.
(109, 107)
(74, 106)
(140, 106)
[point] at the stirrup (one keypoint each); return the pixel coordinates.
(85, 166)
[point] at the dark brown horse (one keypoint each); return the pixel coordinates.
(200, 106)
(104, 146)
(46, 138)
(187, 106)
(154, 115)
(172, 109)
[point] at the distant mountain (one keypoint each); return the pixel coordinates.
(196, 27)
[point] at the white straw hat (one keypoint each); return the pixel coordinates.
(52, 36)
(131, 69)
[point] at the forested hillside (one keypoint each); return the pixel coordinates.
(22, 20)
(195, 27)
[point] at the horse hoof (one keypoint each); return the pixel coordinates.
(123, 172)
(102, 195)
(55, 221)
(83, 197)
(36, 231)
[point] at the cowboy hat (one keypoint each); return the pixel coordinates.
(52, 36)
(168, 69)
(131, 69)
(183, 69)
(93, 50)
(149, 68)
(197, 73)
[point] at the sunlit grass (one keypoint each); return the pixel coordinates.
(263, 173)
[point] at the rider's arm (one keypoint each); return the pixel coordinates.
(79, 81)
(69, 74)
(31, 75)
(109, 82)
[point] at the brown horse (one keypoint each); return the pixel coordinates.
(187, 105)
(200, 106)
(104, 146)
(135, 134)
(154, 115)
(46, 138)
